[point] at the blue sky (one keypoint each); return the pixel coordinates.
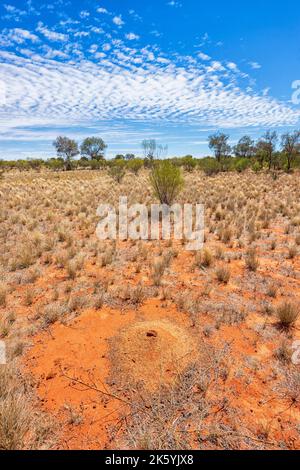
(171, 70)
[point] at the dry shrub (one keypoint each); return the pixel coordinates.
(3, 295)
(223, 274)
(137, 294)
(20, 426)
(283, 353)
(173, 416)
(54, 312)
(251, 260)
(287, 314)
(289, 388)
(204, 259)
(292, 251)
(158, 270)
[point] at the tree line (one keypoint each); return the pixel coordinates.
(271, 151)
(264, 150)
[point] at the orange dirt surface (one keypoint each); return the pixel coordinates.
(81, 351)
(148, 346)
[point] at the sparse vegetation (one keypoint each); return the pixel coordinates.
(63, 291)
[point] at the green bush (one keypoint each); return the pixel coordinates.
(256, 167)
(241, 164)
(166, 180)
(135, 165)
(117, 170)
(210, 166)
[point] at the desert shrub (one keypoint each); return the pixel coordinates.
(290, 386)
(287, 314)
(167, 181)
(272, 290)
(117, 170)
(137, 294)
(223, 274)
(135, 165)
(3, 295)
(241, 164)
(283, 353)
(98, 302)
(157, 272)
(204, 259)
(54, 312)
(256, 167)
(29, 297)
(21, 427)
(15, 418)
(226, 235)
(292, 252)
(189, 163)
(251, 260)
(210, 166)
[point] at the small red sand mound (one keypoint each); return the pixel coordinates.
(153, 351)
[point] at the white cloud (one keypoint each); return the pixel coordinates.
(106, 47)
(84, 14)
(216, 66)
(81, 34)
(19, 35)
(51, 35)
(118, 20)
(102, 10)
(203, 56)
(97, 30)
(93, 48)
(55, 54)
(131, 36)
(175, 4)
(232, 66)
(155, 90)
(255, 65)
(11, 9)
(100, 55)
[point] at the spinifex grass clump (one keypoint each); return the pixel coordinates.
(287, 314)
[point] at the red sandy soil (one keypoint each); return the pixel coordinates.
(81, 350)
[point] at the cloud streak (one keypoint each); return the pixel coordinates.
(129, 85)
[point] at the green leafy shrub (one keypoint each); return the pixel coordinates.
(166, 180)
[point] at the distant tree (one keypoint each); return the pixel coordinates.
(119, 157)
(93, 147)
(290, 144)
(161, 151)
(149, 146)
(267, 146)
(219, 144)
(261, 153)
(66, 148)
(152, 149)
(245, 147)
